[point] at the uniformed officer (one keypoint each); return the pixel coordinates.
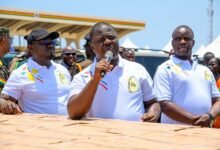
(5, 43)
(69, 60)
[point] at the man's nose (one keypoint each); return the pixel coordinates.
(107, 41)
(182, 40)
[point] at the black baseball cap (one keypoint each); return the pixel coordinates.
(40, 34)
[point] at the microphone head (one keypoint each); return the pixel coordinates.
(109, 56)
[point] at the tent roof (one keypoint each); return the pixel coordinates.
(128, 44)
(21, 22)
(201, 51)
(214, 47)
(168, 46)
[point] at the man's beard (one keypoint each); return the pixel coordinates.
(51, 56)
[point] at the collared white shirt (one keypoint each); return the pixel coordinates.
(191, 87)
(39, 89)
(120, 93)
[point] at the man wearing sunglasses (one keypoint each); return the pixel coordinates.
(40, 85)
(5, 43)
(69, 60)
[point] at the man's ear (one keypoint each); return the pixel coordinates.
(91, 47)
(30, 47)
(193, 42)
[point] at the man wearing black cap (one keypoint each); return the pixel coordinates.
(40, 85)
(5, 43)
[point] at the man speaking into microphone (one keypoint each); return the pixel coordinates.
(112, 87)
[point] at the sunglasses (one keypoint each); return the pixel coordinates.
(68, 54)
(47, 43)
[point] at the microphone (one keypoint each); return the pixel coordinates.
(108, 57)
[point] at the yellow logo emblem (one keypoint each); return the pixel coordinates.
(63, 79)
(208, 76)
(133, 85)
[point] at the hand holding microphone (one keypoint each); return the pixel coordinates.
(103, 66)
(108, 58)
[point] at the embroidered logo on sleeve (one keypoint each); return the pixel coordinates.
(133, 85)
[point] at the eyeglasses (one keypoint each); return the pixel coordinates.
(68, 54)
(101, 39)
(46, 43)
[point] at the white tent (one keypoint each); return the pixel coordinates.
(214, 47)
(146, 47)
(168, 46)
(201, 51)
(128, 44)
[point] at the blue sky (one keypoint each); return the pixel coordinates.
(160, 16)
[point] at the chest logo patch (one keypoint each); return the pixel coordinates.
(133, 85)
(208, 76)
(63, 79)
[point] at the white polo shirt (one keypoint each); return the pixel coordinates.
(189, 86)
(120, 93)
(39, 89)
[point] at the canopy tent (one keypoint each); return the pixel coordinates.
(201, 51)
(168, 46)
(213, 47)
(146, 46)
(128, 44)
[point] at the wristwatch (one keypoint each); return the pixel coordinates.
(211, 120)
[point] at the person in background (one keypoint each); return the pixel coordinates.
(171, 52)
(40, 85)
(186, 90)
(5, 43)
(90, 55)
(121, 93)
(19, 60)
(129, 54)
(69, 60)
(206, 57)
(214, 65)
(121, 51)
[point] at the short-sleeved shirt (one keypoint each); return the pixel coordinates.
(190, 87)
(120, 94)
(4, 74)
(39, 89)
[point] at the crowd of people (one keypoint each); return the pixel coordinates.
(182, 91)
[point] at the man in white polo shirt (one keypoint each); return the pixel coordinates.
(40, 85)
(125, 92)
(186, 90)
